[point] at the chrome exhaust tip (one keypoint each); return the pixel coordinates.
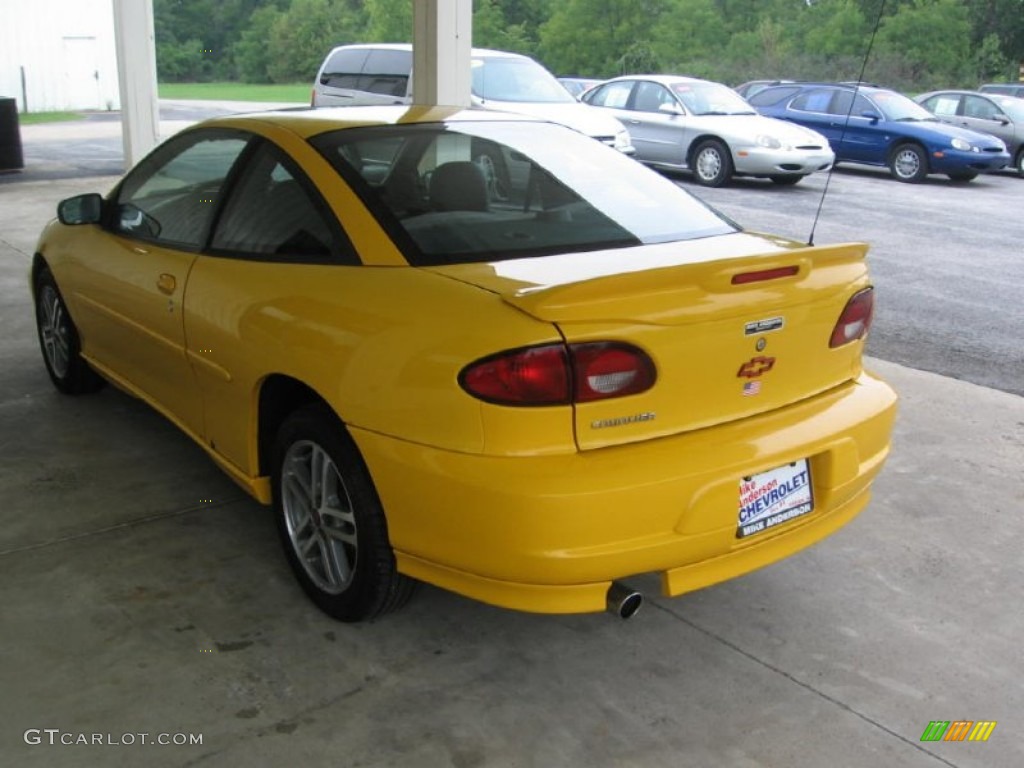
(623, 601)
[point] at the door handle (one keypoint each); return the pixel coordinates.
(166, 283)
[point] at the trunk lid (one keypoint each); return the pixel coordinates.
(736, 325)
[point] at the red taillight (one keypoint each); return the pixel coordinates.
(556, 374)
(856, 319)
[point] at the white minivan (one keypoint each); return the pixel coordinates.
(381, 73)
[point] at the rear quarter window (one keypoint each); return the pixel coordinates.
(386, 72)
(343, 67)
(771, 96)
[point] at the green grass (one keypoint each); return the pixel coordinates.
(33, 118)
(298, 92)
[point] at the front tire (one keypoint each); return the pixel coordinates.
(1019, 162)
(712, 163)
(962, 176)
(330, 520)
(908, 163)
(59, 341)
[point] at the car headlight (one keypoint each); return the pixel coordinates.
(622, 139)
(963, 146)
(769, 142)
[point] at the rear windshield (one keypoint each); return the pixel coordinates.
(481, 192)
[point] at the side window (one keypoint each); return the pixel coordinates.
(650, 96)
(614, 95)
(983, 109)
(343, 67)
(841, 105)
(272, 214)
(387, 72)
(812, 101)
(172, 196)
(943, 106)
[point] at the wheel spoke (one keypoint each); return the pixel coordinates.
(336, 562)
(339, 525)
(297, 482)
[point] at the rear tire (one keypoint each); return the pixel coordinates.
(330, 520)
(59, 341)
(712, 163)
(908, 163)
(1019, 162)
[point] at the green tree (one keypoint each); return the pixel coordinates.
(300, 38)
(388, 21)
(691, 38)
(932, 37)
(492, 29)
(836, 28)
(251, 52)
(593, 37)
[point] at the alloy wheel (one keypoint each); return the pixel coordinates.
(319, 516)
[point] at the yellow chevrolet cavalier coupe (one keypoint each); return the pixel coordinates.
(476, 350)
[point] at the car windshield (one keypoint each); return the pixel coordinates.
(491, 190)
(711, 99)
(896, 107)
(1012, 107)
(507, 78)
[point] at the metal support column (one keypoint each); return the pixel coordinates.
(442, 41)
(136, 74)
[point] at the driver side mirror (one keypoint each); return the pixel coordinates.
(81, 209)
(670, 109)
(874, 117)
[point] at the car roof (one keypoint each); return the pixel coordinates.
(965, 91)
(408, 47)
(311, 121)
(803, 86)
(663, 79)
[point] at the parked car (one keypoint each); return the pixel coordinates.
(1001, 116)
(877, 126)
(355, 75)
(1005, 89)
(576, 86)
(686, 123)
(522, 395)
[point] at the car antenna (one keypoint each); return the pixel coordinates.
(846, 122)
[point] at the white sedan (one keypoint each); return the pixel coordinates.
(682, 123)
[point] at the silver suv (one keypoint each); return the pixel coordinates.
(381, 73)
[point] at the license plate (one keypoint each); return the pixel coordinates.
(774, 497)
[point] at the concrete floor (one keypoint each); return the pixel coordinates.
(142, 593)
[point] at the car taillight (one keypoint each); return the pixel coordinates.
(856, 318)
(559, 374)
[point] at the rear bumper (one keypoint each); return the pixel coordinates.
(549, 534)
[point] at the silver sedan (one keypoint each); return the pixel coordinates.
(685, 123)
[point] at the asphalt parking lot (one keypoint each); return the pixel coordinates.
(144, 594)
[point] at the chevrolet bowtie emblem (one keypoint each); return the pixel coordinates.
(756, 367)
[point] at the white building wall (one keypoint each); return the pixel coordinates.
(65, 49)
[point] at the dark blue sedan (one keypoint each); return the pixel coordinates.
(884, 128)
